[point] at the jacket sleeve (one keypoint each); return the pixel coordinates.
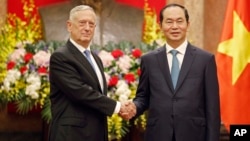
(141, 99)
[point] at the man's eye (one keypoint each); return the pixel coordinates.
(180, 21)
(82, 23)
(91, 24)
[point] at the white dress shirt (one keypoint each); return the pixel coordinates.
(180, 55)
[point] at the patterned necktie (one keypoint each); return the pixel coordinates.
(99, 75)
(175, 67)
(87, 54)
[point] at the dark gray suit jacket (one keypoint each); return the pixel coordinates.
(191, 111)
(79, 107)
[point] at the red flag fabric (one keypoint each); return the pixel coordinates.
(233, 62)
(156, 4)
(16, 6)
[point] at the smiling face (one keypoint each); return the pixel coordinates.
(174, 25)
(81, 26)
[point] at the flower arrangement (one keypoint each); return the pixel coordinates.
(26, 82)
(16, 32)
(122, 70)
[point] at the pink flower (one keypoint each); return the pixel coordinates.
(106, 58)
(17, 54)
(41, 58)
(124, 63)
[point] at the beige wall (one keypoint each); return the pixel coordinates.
(195, 32)
(214, 12)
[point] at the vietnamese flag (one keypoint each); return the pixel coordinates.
(233, 60)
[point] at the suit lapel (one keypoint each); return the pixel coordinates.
(99, 63)
(186, 64)
(164, 66)
(80, 57)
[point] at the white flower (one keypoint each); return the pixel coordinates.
(123, 98)
(34, 84)
(122, 83)
(127, 92)
(6, 85)
(122, 88)
(31, 90)
(11, 77)
(33, 78)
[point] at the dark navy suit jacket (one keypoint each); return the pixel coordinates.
(191, 112)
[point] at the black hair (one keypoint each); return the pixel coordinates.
(173, 5)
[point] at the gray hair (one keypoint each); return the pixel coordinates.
(80, 8)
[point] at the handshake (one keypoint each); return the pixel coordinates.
(128, 110)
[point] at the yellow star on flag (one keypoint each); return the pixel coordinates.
(238, 47)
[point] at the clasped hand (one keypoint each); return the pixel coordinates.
(128, 110)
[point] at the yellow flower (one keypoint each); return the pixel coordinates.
(17, 30)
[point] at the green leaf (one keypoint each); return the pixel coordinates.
(46, 111)
(24, 106)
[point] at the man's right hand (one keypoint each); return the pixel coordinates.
(128, 110)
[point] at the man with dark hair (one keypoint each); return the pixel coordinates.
(178, 86)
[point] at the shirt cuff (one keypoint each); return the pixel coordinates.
(117, 107)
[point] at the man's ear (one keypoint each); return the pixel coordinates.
(69, 25)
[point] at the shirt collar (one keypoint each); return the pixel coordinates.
(181, 49)
(78, 46)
